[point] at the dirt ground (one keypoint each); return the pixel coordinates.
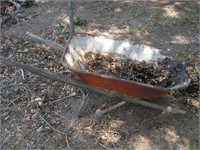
(38, 113)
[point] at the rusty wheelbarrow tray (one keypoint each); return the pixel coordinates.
(79, 44)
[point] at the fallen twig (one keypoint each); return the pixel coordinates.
(103, 145)
(67, 141)
(13, 102)
(22, 71)
(1, 20)
(48, 42)
(61, 115)
(71, 95)
(52, 126)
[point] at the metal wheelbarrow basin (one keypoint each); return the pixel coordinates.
(81, 44)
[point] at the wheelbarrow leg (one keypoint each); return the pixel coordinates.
(102, 112)
(85, 96)
(157, 104)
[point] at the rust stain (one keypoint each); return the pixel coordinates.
(123, 87)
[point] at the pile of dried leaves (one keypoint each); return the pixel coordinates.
(165, 73)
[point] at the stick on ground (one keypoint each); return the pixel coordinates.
(48, 42)
(52, 126)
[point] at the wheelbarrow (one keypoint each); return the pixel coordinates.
(80, 44)
(134, 92)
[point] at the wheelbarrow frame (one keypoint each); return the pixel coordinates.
(73, 81)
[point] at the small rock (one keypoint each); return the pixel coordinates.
(33, 110)
(6, 118)
(20, 137)
(39, 129)
(38, 101)
(26, 50)
(118, 10)
(34, 116)
(98, 110)
(28, 117)
(104, 105)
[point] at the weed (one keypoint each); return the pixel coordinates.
(154, 14)
(191, 17)
(80, 22)
(111, 14)
(136, 27)
(61, 25)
